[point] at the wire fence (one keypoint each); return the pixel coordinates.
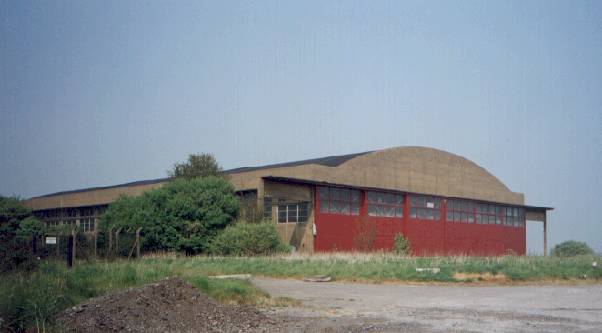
(78, 246)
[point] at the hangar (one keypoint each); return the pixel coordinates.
(443, 203)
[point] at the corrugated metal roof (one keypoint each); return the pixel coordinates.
(136, 183)
(329, 161)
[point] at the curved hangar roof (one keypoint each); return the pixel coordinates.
(408, 169)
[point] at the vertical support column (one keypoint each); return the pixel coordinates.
(545, 234)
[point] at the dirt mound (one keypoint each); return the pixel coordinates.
(170, 305)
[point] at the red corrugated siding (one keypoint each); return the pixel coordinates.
(427, 237)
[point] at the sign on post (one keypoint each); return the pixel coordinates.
(50, 240)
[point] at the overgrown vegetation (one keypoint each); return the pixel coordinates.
(571, 248)
(28, 301)
(401, 245)
(17, 226)
(183, 215)
(378, 267)
(248, 239)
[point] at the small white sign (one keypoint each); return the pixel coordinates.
(430, 205)
(50, 240)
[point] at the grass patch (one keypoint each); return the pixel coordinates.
(381, 267)
(29, 301)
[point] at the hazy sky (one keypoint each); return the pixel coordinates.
(100, 93)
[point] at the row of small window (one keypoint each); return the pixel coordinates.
(70, 212)
(85, 224)
(334, 200)
(293, 212)
(380, 204)
(468, 212)
(385, 204)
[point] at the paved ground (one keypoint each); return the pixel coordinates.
(343, 307)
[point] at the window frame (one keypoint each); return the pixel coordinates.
(299, 206)
(396, 204)
(461, 210)
(340, 200)
(420, 210)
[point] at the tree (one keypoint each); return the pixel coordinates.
(17, 226)
(572, 248)
(184, 215)
(198, 165)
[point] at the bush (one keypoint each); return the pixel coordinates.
(183, 215)
(245, 239)
(571, 248)
(401, 245)
(17, 226)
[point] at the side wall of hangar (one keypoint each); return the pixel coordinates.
(442, 202)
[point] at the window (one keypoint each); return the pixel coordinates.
(514, 217)
(70, 222)
(385, 204)
(267, 208)
(486, 214)
(460, 211)
(86, 224)
(293, 212)
(342, 201)
(52, 223)
(86, 211)
(425, 208)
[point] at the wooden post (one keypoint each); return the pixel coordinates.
(545, 234)
(70, 242)
(58, 246)
(73, 245)
(138, 242)
(34, 245)
(117, 241)
(95, 241)
(110, 242)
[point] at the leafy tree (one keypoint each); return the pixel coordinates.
(17, 225)
(183, 215)
(198, 165)
(571, 248)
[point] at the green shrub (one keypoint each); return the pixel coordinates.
(401, 245)
(243, 239)
(184, 215)
(17, 226)
(572, 248)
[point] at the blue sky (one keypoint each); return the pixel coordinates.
(97, 93)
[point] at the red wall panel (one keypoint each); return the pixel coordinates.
(427, 237)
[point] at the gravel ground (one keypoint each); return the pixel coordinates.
(355, 307)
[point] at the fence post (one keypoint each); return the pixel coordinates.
(58, 246)
(109, 252)
(34, 245)
(95, 242)
(138, 242)
(73, 245)
(117, 241)
(70, 251)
